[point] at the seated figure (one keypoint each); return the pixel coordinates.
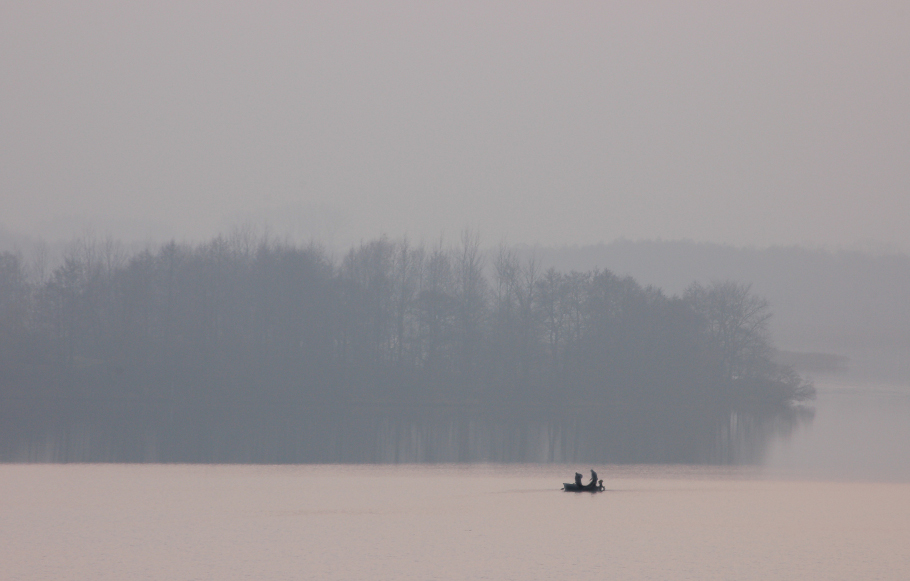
(578, 480)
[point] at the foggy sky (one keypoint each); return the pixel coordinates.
(555, 123)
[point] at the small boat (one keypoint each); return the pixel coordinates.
(572, 487)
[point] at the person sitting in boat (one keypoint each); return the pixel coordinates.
(578, 480)
(593, 483)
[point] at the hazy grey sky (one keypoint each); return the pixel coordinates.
(550, 122)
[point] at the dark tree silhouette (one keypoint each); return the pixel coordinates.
(251, 349)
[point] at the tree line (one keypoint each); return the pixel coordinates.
(246, 323)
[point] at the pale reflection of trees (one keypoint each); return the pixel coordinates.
(105, 431)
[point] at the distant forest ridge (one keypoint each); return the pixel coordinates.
(240, 324)
(838, 301)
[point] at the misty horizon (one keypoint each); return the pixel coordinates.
(550, 124)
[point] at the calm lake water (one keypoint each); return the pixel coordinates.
(832, 501)
(85, 521)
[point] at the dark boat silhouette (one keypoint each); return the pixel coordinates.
(572, 487)
(577, 486)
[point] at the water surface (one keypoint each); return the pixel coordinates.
(116, 521)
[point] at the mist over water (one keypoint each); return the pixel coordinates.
(859, 432)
